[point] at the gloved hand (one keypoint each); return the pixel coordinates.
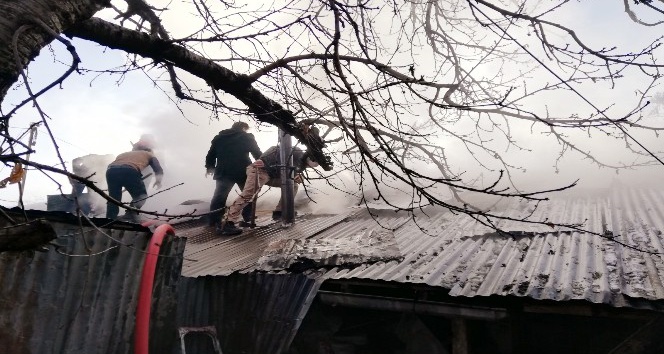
(328, 160)
(157, 182)
(209, 172)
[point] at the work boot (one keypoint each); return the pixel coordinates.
(276, 215)
(247, 211)
(130, 216)
(229, 229)
(243, 223)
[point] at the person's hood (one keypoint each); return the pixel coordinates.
(228, 133)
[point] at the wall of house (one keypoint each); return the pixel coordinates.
(329, 329)
(334, 330)
(78, 295)
(253, 313)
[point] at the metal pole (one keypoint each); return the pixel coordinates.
(287, 195)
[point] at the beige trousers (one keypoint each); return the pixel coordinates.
(257, 177)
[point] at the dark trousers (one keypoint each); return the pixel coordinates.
(83, 200)
(221, 191)
(118, 177)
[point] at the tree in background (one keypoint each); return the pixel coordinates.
(409, 96)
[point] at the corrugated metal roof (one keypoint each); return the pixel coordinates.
(367, 246)
(254, 313)
(468, 259)
(80, 297)
(209, 254)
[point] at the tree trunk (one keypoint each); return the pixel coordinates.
(24, 23)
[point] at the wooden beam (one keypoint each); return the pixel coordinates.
(587, 310)
(459, 336)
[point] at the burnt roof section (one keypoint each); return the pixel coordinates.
(364, 247)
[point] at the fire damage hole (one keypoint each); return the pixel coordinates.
(364, 247)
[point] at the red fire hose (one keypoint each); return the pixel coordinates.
(142, 330)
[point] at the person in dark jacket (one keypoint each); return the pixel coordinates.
(125, 172)
(228, 159)
(265, 171)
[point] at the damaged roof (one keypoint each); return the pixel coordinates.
(618, 262)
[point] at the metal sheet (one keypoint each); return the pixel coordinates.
(364, 247)
(613, 263)
(254, 313)
(80, 297)
(209, 254)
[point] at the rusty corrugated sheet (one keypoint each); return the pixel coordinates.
(80, 297)
(208, 254)
(254, 313)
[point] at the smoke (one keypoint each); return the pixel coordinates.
(181, 146)
(182, 140)
(93, 167)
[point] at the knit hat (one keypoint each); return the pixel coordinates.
(146, 142)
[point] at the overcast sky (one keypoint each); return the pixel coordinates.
(98, 115)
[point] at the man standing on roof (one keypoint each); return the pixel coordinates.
(228, 159)
(265, 170)
(125, 172)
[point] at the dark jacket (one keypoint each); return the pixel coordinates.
(229, 153)
(272, 161)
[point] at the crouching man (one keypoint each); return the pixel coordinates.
(265, 171)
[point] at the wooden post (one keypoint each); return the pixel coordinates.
(32, 140)
(459, 336)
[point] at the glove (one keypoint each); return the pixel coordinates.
(157, 182)
(209, 172)
(329, 162)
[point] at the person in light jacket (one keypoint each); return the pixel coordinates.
(265, 170)
(125, 171)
